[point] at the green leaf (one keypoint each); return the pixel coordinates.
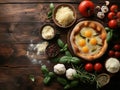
(60, 43)
(65, 59)
(109, 35)
(51, 74)
(74, 83)
(67, 87)
(32, 78)
(44, 70)
(49, 14)
(67, 53)
(51, 6)
(47, 80)
(62, 81)
(75, 60)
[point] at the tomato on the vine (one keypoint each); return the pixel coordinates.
(112, 23)
(98, 67)
(114, 8)
(111, 15)
(117, 54)
(118, 15)
(116, 47)
(89, 67)
(111, 53)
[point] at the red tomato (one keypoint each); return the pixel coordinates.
(112, 23)
(98, 67)
(111, 53)
(117, 54)
(111, 15)
(86, 8)
(114, 8)
(118, 15)
(117, 47)
(89, 67)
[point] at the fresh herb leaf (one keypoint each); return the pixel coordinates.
(62, 81)
(67, 87)
(74, 83)
(75, 60)
(44, 70)
(51, 74)
(49, 14)
(67, 53)
(32, 78)
(51, 6)
(47, 80)
(65, 59)
(60, 43)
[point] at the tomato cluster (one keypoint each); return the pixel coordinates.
(90, 67)
(115, 51)
(113, 16)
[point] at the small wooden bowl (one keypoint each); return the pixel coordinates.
(55, 11)
(40, 32)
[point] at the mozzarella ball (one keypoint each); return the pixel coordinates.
(59, 69)
(69, 73)
(112, 65)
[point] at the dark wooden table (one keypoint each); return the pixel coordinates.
(20, 22)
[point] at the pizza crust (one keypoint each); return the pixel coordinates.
(102, 33)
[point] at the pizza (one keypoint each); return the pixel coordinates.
(88, 40)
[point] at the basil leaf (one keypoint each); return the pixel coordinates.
(109, 35)
(49, 14)
(75, 60)
(74, 83)
(51, 6)
(67, 87)
(67, 53)
(51, 74)
(62, 81)
(60, 43)
(44, 69)
(47, 79)
(32, 78)
(65, 59)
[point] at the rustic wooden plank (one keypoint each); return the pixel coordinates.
(37, 1)
(54, 1)
(26, 12)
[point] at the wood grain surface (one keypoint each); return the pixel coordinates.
(20, 23)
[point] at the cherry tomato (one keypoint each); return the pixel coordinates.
(111, 53)
(114, 8)
(112, 23)
(89, 67)
(118, 15)
(117, 47)
(86, 8)
(117, 54)
(98, 67)
(111, 15)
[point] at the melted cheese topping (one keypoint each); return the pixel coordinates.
(88, 41)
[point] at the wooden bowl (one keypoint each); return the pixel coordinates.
(55, 11)
(41, 29)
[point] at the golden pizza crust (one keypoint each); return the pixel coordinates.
(99, 29)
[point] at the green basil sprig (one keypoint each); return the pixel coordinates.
(51, 10)
(63, 46)
(109, 33)
(47, 75)
(69, 59)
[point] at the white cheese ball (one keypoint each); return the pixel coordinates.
(112, 65)
(69, 73)
(59, 69)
